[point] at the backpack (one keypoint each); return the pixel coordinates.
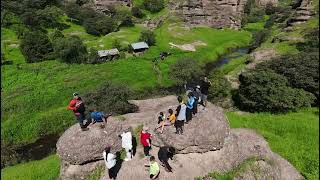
(80, 107)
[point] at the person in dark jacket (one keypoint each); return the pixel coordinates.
(164, 154)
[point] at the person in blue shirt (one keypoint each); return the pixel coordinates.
(190, 104)
(99, 117)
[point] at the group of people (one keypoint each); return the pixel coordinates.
(184, 113)
(185, 110)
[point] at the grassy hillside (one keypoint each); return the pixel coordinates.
(35, 96)
(47, 169)
(294, 136)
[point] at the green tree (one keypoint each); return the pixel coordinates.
(71, 49)
(184, 70)
(265, 90)
(137, 12)
(153, 5)
(36, 46)
(220, 88)
(148, 37)
(93, 57)
(50, 17)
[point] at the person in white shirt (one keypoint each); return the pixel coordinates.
(110, 161)
(126, 138)
(181, 116)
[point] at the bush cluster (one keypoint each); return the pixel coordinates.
(265, 90)
(148, 37)
(110, 98)
(153, 5)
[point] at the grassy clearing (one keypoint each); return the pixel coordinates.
(47, 168)
(295, 136)
(96, 174)
(35, 96)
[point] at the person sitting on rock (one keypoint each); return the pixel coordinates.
(98, 117)
(161, 120)
(170, 120)
(78, 108)
(181, 116)
(126, 138)
(164, 154)
(190, 104)
(145, 139)
(154, 169)
(110, 161)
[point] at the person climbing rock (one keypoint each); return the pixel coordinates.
(181, 116)
(145, 139)
(78, 108)
(205, 90)
(110, 161)
(154, 169)
(99, 117)
(190, 104)
(164, 154)
(126, 138)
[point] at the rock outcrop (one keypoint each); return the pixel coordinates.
(303, 12)
(213, 13)
(207, 145)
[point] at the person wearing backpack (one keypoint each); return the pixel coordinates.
(78, 108)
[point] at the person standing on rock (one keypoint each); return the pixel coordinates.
(126, 138)
(190, 104)
(197, 99)
(181, 116)
(154, 169)
(110, 161)
(145, 139)
(78, 108)
(205, 90)
(164, 154)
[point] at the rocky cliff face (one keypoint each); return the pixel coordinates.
(213, 13)
(304, 10)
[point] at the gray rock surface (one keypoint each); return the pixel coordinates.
(78, 147)
(212, 13)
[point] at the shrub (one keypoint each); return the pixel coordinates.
(220, 88)
(56, 35)
(110, 98)
(258, 38)
(50, 17)
(184, 70)
(264, 90)
(270, 9)
(124, 17)
(301, 70)
(311, 43)
(100, 26)
(71, 49)
(36, 46)
(136, 12)
(116, 44)
(148, 37)
(93, 57)
(153, 5)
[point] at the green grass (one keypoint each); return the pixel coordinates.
(294, 136)
(35, 96)
(47, 169)
(234, 65)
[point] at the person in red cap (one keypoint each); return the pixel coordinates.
(78, 108)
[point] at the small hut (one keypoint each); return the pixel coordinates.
(109, 54)
(139, 47)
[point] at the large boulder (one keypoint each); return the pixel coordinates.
(204, 133)
(79, 147)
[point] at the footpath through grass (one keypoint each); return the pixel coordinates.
(48, 169)
(294, 136)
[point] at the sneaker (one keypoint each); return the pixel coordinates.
(84, 129)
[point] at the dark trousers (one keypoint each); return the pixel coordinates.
(81, 117)
(112, 173)
(146, 150)
(189, 114)
(179, 126)
(195, 106)
(166, 165)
